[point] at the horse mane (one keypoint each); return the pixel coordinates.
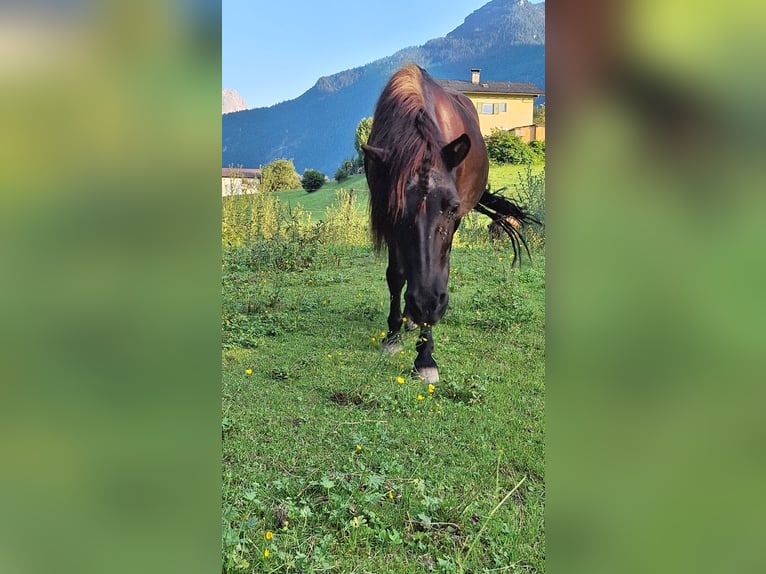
(403, 126)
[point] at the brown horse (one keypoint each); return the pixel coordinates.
(427, 166)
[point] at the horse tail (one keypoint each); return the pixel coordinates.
(509, 217)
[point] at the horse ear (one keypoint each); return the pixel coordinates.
(455, 151)
(376, 154)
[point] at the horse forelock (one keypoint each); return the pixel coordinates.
(403, 125)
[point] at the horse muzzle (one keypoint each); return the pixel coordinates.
(426, 306)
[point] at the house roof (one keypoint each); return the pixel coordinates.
(512, 88)
(240, 172)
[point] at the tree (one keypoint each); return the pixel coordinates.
(538, 116)
(312, 180)
(362, 135)
(347, 168)
(279, 175)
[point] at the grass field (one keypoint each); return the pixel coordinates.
(318, 201)
(334, 459)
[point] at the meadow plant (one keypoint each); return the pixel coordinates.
(530, 191)
(344, 224)
(250, 217)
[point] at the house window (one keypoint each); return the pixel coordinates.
(492, 108)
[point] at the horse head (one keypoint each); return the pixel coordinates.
(422, 231)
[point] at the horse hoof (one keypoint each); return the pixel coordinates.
(391, 347)
(427, 374)
(410, 325)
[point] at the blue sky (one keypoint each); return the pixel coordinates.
(274, 50)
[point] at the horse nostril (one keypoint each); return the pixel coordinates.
(442, 298)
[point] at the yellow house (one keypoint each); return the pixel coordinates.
(503, 105)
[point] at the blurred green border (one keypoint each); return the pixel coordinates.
(110, 366)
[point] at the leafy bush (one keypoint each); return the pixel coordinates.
(504, 147)
(312, 180)
(347, 169)
(340, 174)
(279, 175)
(538, 148)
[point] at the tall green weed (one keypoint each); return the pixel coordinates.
(343, 223)
(530, 191)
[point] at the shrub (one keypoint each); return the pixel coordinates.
(504, 147)
(340, 174)
(347, 169)
(279, 175)
(538, 148)
(312, 180)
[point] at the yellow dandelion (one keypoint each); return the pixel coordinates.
(420, 397)
(266, 553)
(404, 319)
(400, 380)
(390, 495)
(269, 534)
(373, 339)
(431, 388)
(382, 333)
(329, 356)
(248, 372)
(359, 447)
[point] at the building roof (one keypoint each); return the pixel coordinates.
(245, 172)
(512, 88)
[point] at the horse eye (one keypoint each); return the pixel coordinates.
(450, 205)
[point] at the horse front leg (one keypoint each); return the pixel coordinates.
(425, 366)
(392, 343)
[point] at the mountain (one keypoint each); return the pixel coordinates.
(232, 101)
(504, 38)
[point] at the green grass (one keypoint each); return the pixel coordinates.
(507, 175)
(317, 201)
(343, 464)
